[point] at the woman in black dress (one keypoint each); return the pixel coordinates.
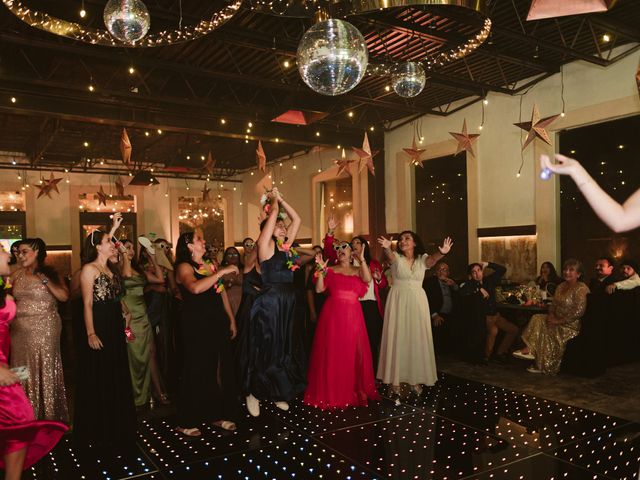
(275, 368)
(105, 414)
(207, 326)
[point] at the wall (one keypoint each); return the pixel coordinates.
(496, 196)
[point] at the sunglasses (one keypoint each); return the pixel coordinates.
(342, 246)
(232, 254)
(249, 245)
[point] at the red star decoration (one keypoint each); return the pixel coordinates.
(125, 147)
(366, 155)
(343, 163)
(465, 140)
(206, 193)
(536, 127)
(414, 153)
(102, 197)
(49, 185)
(119, 186)
(210, 165)
(261, 157)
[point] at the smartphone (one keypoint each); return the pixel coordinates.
(21, 372)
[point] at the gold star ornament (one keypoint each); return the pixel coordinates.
(366, 155)
(465, 140)
(261, 157)
(125, 147)
(48, 186)
(536, 127)
(102, 197)
(343, 163)
(415, 153)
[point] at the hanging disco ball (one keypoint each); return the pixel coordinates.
(409, 79)
(127, 20)
(332, 57)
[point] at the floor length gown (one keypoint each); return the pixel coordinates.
(406, 349)
(340, 370)
(139, 349)
(275, 365)
(35, 335)
(18, 426)
(105, 414)
(207, 390)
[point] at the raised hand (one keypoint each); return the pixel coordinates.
(385, 242)
(332, 223)
(117, 220)
(563, 166)
(446, 246)
(320, 261)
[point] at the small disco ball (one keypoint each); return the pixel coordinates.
(127, 20)
(409, 79)
(332, 57)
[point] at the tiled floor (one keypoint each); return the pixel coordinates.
(459, 429)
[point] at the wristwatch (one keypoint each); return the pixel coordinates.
(45, 280)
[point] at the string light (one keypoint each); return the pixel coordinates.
(132, 70)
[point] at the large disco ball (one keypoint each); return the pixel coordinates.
(409, 79)
(127, 20)
(332, 57)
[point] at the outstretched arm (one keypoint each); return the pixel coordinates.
(431, 260)
(620, 218)
(292, 230)
(385, 243)
(265, 245)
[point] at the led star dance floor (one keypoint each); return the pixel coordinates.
(456, 430)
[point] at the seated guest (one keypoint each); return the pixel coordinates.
(440, 291)
(485, 287)
(604, 275)
(548, 280)
(546, 335)
(630, 276)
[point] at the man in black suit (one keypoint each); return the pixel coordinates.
(441, 291)
(605, 275)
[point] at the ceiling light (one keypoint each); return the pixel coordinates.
(286, 64)
(83, 13)
(372, 128)
(350, 114)
(223, 121)
(620, 147)
(91, 88)
(132, 70)
(159, 132)
(250, 125)
(387, 88)
(317, 134)
(86, 144)
(485, 101)
(146, 134)
(606, 38)
(14, 99)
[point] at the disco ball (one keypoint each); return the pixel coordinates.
(332, 57)
(127, 20)
(409, 79)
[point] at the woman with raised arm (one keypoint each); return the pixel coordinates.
(406, 349)
(620, 218)
(275, 369)
(340, 369)
(207, 326)
(105, 415)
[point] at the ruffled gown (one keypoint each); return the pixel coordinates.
(275, 365)
(340, 370)
(18, 427)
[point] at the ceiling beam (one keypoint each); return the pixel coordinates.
(41, 140)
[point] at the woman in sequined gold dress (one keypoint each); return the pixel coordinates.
(546, 335)
(35, 332)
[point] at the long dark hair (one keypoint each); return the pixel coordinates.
(136, 259)
(14, 259)
(183, 254)
(365, 245)
(89, 250)
(418, 250)
(553, 274)
(224, 258)
(38, 245)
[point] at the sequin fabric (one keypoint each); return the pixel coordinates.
(547, 343)
(35, 340)
(107, 289)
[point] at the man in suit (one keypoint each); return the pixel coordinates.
(441, 291)
(605, 275)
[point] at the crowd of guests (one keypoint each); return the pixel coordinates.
(267, 323)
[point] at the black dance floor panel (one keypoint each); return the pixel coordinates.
(456, 430)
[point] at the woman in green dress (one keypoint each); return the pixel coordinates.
(140, 342)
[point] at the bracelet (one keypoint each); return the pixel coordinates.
(91, 334)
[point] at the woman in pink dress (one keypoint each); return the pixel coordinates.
(23, 440)
(340, 370)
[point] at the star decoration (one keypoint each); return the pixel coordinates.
(536, 127)
(119, 186)
(465, 140)
(125, 147)
(102, 197)
(48, 186)
(638, 79)
(414, 153)
(210, 164)
(343, 163)
(261, 157)
(206, 193)
(366, 155)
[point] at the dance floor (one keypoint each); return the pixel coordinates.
(458, 429)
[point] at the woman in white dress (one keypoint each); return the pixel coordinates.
(406, 350)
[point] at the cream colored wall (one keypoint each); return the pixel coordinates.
(496, 197)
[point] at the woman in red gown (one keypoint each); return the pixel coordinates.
(23, 440)
(340, 371)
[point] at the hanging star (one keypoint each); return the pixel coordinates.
(48, 186)
(414, 153)
(102, 197)
(465, 140)
(125, 147)
(210, 164)
(119, 186)
(261, 157)
(536, 127)
(638, 79)
(206, 193)
(343, 163)
(366, 156)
